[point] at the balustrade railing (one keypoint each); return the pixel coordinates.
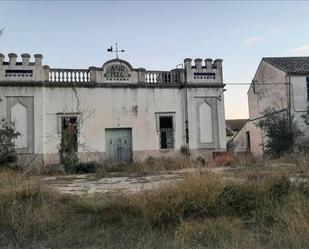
(83, 76)
(162, 77)
(69, 75)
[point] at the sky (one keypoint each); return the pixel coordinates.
(158, 35)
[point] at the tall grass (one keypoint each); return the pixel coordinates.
(202, 211)
(149, 166)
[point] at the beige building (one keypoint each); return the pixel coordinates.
(282, 83)
(117, 112)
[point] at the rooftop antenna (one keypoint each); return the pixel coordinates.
(111, 50)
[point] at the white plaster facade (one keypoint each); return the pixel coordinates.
(113, 96)
(283, 86)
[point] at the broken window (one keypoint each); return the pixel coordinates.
(69, 131)
(166, 132)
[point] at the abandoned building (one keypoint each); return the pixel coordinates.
(233, 126)
(116, 112)
(281, 83)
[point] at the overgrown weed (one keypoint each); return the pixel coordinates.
(151, 166)
(200, 211)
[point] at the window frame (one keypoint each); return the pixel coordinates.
(158, 115)
(61, 115)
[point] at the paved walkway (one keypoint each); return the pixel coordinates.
(90, 184)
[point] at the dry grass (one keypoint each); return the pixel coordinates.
(223, 232)
(150, 166)
(194, 196)
(202, 211)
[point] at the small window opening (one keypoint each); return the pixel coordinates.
(69, 130)
(166, 133)
(248, 140)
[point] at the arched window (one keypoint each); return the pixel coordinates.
(19, 116)
(206, 131)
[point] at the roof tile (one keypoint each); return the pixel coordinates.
(293, 65)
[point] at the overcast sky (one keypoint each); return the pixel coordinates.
(159, 35)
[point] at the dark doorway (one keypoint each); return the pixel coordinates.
(166, 133)
(69, 134)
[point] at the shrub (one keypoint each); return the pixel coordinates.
(7, 135)
(68, 150)
(237, 200)
(281, 131)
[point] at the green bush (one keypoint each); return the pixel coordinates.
(237, 200)
(68, 150)
(281, 131)
(7, 135)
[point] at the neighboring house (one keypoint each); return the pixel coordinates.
(233, 126)
(237, 135)
(116, 112)
(282, 83)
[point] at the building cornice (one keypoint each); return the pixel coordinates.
(110, 85)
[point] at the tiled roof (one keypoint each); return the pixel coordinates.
(293, 65)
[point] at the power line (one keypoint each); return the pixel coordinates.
(255, 83)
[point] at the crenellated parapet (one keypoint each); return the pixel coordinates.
(114, 71)
(22, 70)
(208, 72)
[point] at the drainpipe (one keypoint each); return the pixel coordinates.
(187, 145)
(187, 63)
(289, 104)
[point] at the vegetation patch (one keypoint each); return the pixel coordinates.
(202, 211)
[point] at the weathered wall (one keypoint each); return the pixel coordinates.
(114, 96)
(272, 90)
(240, 138)
(269, 90)
(300, 103)
(118, 107)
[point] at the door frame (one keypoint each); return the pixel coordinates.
(112, 158)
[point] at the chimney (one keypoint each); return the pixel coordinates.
(198, 64)
(12, 59)
(25, 59)
(218, 64)
(208, 63)
(187, 63)
(38, 59)
(1, 59)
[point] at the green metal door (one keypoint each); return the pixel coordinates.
(119, 145)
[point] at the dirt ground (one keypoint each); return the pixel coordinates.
(91, 184)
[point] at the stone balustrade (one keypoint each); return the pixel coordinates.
(69, 75)
(114, 71)
(162, 77)
(58, 75)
